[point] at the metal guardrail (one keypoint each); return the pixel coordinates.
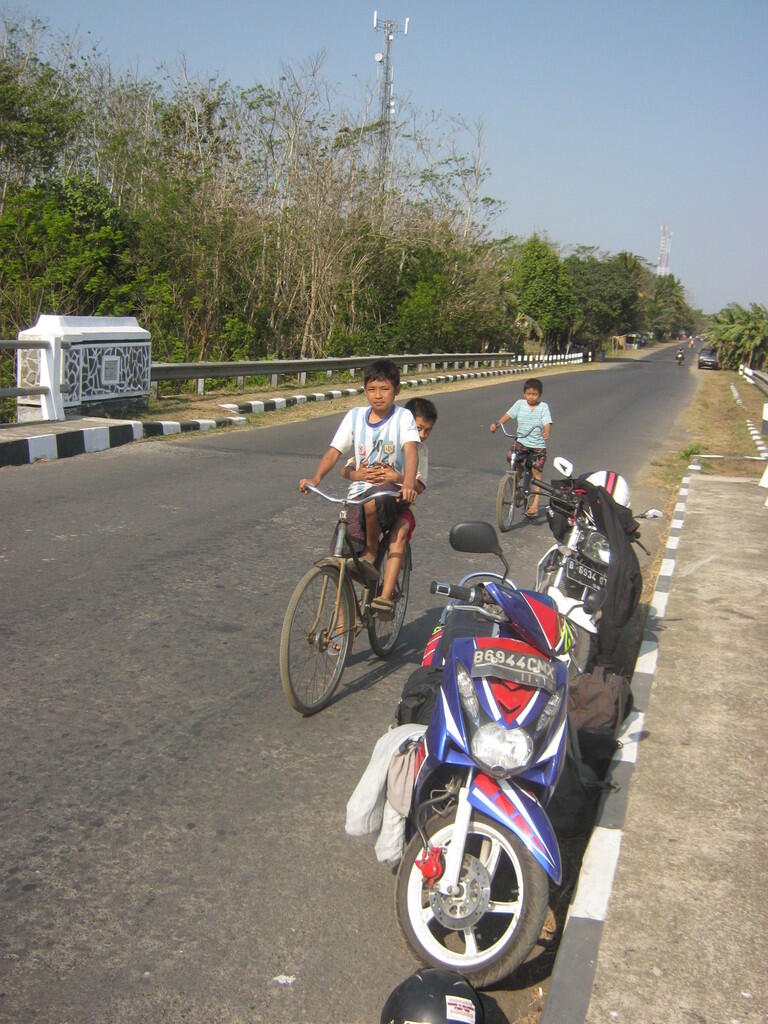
(51, 361)
(275, 369)
(757, 377)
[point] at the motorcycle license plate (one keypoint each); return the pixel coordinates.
(577, 572)
(515, 666)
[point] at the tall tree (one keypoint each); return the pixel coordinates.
(544, 291)
(668, 313)
(37, 109)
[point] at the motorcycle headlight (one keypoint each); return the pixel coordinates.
(467, 693)
(502, 750)
(596, 548)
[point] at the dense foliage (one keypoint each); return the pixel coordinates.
(741, 335)
(261, 223)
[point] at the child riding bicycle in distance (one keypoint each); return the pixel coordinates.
(384, 442)
(534, 422)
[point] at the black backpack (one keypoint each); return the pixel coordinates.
(419, 696)
(598, 703)
(571, 810)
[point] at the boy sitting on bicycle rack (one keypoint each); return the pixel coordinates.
(534, 422)
(382, 438)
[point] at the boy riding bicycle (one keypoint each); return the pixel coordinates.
(384, 442)
(424, 413)
(534, 422)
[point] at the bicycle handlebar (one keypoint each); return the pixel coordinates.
(513, 433)
(355, 501)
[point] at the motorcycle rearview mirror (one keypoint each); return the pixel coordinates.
(478, 538)
(563, 465)
(594, 601)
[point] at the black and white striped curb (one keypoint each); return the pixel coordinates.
(270, 404)
(757, 437)
(570, 987)
(161, 428)
(65, 443)
(62, 444)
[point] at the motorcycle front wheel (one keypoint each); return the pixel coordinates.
(487, 929)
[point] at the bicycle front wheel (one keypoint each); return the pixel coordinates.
(505, 501)
(314, 642)
(526, 496)
(383, 633)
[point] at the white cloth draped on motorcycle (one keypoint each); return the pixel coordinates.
(382, 797)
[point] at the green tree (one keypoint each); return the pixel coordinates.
(668, 314)
(543, 290)
(64, 248)
(610, 294)
(741, 335)
(38, 112)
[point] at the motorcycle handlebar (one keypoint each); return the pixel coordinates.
(467, 595)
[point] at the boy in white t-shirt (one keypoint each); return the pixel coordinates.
(382, 437)
(425, 416)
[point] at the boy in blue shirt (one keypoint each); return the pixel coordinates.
(534, 422)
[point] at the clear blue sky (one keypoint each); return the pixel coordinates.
(603, 120)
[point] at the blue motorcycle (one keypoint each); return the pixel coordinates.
(473, 882)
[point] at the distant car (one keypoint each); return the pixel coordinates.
(708, 359)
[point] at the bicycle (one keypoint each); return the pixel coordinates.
(327, 611)
(514, 492)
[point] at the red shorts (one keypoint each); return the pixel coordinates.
(408, 516)
(538, 455)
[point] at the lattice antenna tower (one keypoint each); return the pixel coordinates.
(390, 29)
(665, 248)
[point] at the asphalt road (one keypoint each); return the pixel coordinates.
(172, 840)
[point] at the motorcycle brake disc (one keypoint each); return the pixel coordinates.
(465, 908)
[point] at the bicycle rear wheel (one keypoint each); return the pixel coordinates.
(383, 633)
(312, 655)
(506, 501)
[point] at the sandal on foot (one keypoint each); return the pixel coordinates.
(384, 606)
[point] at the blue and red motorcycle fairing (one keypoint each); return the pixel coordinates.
(472, 888)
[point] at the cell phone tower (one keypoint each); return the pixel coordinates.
(390, 29)
(665, 248)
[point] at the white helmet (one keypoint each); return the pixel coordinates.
(616, 485)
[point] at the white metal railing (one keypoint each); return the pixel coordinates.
(49, 389)
(757, 377)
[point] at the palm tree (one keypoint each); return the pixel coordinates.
(741, 335)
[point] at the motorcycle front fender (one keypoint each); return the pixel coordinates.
(521, 814)
(540, 567)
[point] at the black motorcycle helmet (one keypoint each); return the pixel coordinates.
(433, 996)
